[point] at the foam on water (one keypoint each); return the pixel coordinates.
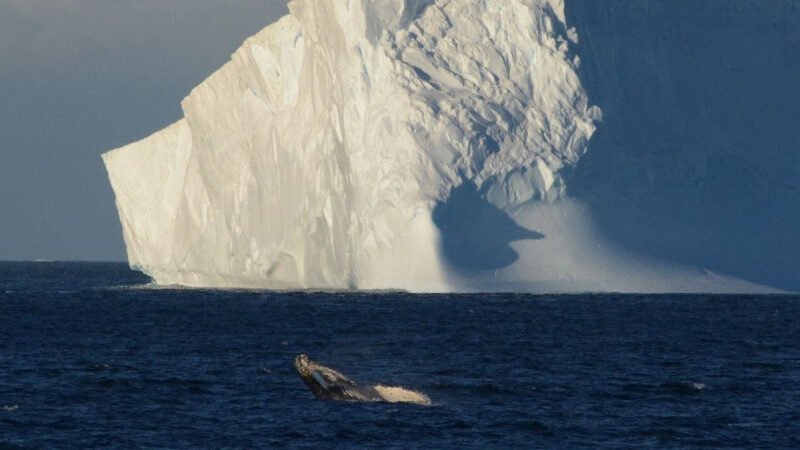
(396, 394)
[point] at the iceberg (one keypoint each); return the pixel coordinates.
(424, 145)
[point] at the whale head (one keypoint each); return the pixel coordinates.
(327, 383)
(301, 365)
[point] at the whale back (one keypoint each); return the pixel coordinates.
(329, 384)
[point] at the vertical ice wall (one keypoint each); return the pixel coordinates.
(698, 157)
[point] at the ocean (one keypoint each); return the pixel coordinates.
(91, 356)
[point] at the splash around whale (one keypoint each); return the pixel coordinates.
(328, 384)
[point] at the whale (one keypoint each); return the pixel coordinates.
(328, 384)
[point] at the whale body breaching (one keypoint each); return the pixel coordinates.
(328, 384)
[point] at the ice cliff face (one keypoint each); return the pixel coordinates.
(317, 156)
(427, 145)
(698, 157)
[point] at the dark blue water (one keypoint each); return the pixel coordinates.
(89, 360)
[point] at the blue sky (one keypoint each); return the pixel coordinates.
(80, 77)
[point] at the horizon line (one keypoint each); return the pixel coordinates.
(43, 260)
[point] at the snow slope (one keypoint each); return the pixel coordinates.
(386, 144)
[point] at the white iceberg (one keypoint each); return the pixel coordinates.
(384, 144)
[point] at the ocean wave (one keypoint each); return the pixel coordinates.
(680, 387)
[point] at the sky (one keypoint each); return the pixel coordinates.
(81, 77)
